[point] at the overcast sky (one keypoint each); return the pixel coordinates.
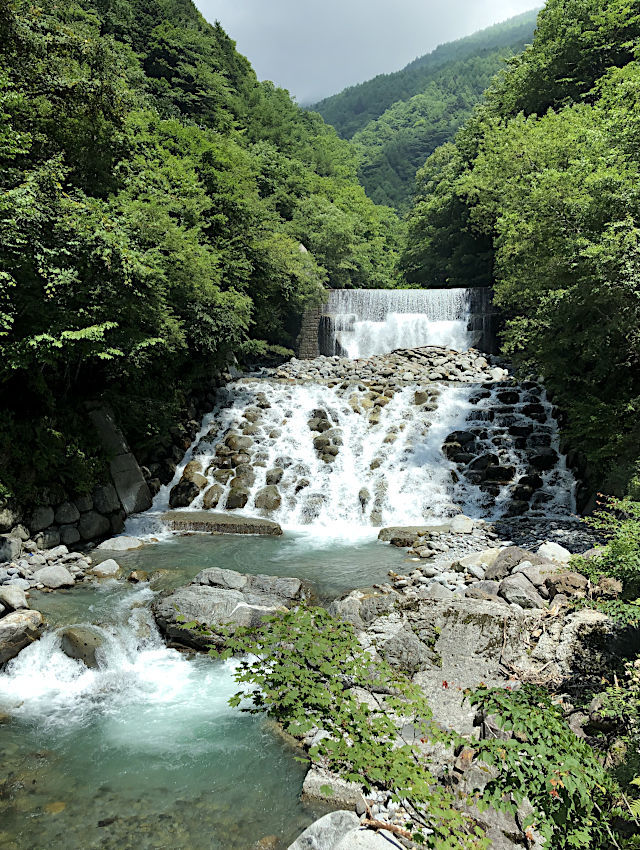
(315, 48)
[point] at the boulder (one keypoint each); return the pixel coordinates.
(54, 577)
(274, 476)
(437, 591)
(10, 547)
(461, 524)
(212, 496)
(483, 559)
(507, 560)
(69, 535)
(41, 518)
(326, 832)
(93, 525)
(17, 630)
(268, 498)
(13, 598)
(483, 590)
(82, 644)
(121, 544)
(184, 492)
(544, 460)
(66, 514)
(106, 569)
(568, 583)
(238, 443)
(225, 598)
(367, 839)
(238, 497)
(518, 590)
(105, 499)
(47, 539)
(554, 552)
(9, 517)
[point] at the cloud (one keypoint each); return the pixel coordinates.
(315, 48)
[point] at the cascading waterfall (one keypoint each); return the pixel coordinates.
(387, 467)
(363, 322)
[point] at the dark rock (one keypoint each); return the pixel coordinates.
(105, 500)
(268, 498)
(93, 525)
(544, 460)
(41, 518)
(274, 476)
(67, 513)
(507, 560)
(183, 493)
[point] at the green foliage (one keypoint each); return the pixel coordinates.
(307, 670)
(619, 521)
(153, 200)
(541, 190)
(573, 797)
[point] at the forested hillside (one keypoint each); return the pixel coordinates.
(541, 193)
(159, 209)
(355, 107)
(397, 120)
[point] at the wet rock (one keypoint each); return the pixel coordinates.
(17, 630)
(500, 474)
(183, 494)
(268, 498)
(238, 496)
(82, 644)
(138, 576)
(544, 460)
(274, 476)
(54, 577)
(106, 569)
(13, 598)
(212, 496)
(220, 523)
(327, 831)
(238, 443)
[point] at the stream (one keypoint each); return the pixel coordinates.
(145, 752)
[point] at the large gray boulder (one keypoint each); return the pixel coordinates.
(518, 590)
(54, 577)
(325, 833)
(225, 598)
(82, 644)
(268, 498)
(105, 499)
(13, 597)
(18, 630)
(121, 544)
(367, 839)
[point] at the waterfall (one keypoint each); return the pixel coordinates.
(363, 322)
(388, 468)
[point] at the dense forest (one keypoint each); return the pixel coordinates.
(160, 209)
(397, 120)
(540, 193)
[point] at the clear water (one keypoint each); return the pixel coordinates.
(145, 752)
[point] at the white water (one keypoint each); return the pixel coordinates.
(377, 321)
(398, 460)
(138, 679)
